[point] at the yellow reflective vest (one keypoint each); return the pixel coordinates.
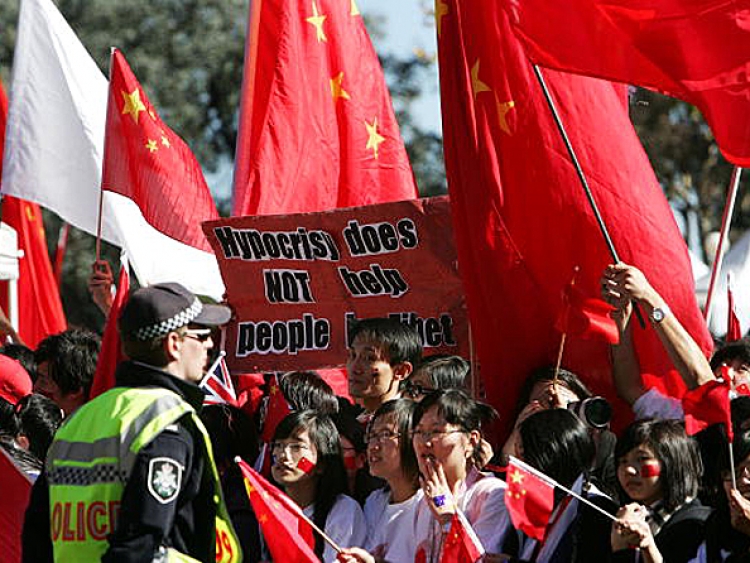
(93, 455)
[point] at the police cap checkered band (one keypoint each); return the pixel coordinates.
(157, 310)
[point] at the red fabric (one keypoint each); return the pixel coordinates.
(586, 317)
(15, 382)
(111, 354)
(13, 501)
(312, 91)
(705, 405)
(734, 330)
(520, 216)
(278, 408)
(460, 546)
(696, 51)
(287, 535)
(147, 162)
(529, 500)
(62, 245)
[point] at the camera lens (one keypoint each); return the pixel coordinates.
(596, 411)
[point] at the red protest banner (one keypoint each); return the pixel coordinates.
(297, 282)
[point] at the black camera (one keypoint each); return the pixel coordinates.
(594, 411)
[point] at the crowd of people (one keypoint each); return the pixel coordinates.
(145, 472)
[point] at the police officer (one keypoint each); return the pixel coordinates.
(130, 476)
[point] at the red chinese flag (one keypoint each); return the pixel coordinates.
(276, 410)
(705, 405)
(586, 317)
(734, 329)
(111, 352)
(40, 309)
(317, 130)
(461, 543)
(696, 51)
(13, 501)
(529, 499)
(521, 219)
(147, 162)
(287, 535)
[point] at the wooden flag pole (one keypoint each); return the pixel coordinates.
(582, 178)
(726, 221)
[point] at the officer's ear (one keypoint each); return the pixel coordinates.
(172, 345)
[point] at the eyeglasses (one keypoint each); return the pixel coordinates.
(199, 334)
(380, 437)
(417, 390)
(431, 435)
(295, 449)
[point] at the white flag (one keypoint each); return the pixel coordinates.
(54, 143)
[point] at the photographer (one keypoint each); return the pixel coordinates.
(541, 392)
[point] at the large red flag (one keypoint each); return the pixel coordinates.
(13, 501)
(529, 499)
(696, 51)
(147, 162)
(40, 309)
(111, 352)
(521, 219)
(287, 535)
(317, 129)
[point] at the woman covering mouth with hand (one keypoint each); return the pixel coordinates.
(447, 436)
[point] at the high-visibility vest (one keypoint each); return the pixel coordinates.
(91, 459)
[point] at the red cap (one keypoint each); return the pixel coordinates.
(15, 382)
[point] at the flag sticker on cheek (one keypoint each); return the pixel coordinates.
(650, 469)
(305, 465)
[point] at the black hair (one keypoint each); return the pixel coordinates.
(232, 434)
(306, 390)
(458, 409)
(348, 426)
(567, 378)
(330, 470)
(400, 342)
(557, 443)
(71, 357)
(737, 350)
(681, 466)
(445, 371)
(402, 413)
(23, 355)
(8, 420)
(39, 418)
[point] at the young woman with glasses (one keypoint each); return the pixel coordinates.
(309, 467)
(447, 436)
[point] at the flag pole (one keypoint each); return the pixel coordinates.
(582, 178)
(101, 185)
(726, 220)
(576, 269)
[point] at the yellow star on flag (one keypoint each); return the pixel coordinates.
(516, 477)
(263, 518)
(477, 86)
(375, 138)
(441, 9)
(502, 113)
(337, 89)
(317, 20)
(250, 488)
(151, 113)
(152, 146)
(165, 141)
(133, 104)
(353, 9)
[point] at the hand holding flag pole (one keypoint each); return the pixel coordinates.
(584, 182)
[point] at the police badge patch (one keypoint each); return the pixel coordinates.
(164, 479)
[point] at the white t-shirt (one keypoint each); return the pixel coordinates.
(481, 499)
(345, 525)
(390, 529)
(655, 404)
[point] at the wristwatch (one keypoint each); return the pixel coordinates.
(658, 314)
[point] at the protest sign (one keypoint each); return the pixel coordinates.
(297, 282)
